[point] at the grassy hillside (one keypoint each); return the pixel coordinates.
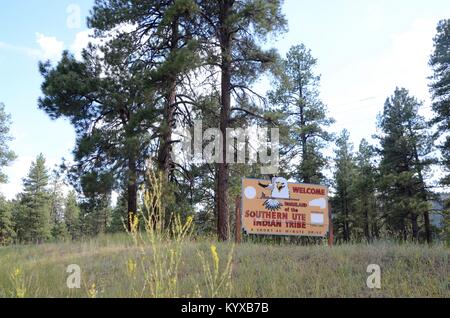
(112, 266)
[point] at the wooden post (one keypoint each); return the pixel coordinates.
(330, 226)
(238, 230)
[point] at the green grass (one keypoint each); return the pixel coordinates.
(258, 270)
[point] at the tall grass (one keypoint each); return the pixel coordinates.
(164, 260)
(19, 284)
(218, 281)
(161, 246)
(258, 270)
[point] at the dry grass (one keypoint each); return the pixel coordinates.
(165, 261)
(257, 270)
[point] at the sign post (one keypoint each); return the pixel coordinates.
(238, 234)
(330, 233)
(277, 207)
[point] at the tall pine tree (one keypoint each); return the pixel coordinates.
(33, 218)
(297, 97)
(231, 34)
(133, 109)
(96, 203)
(364, 190)
(7, 233)
(344, 175)
(59, 229)
(72, 215)
(6, 155)
(405, 148)
(112, 112)
(118, 215)
(440, 88)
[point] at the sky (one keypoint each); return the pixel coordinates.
(364, 49)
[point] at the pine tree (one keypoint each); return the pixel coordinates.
(114, 136)
(231, 33)
(297, 97)
(6, 155)
(72, 215)
(119, 215)
(405, 148)
(34, 215)
(364, 190)
(138, 101)
(96, 203)
(440, 88)
(7, 233)
(59, 229)
(165, 60)
(344, 175)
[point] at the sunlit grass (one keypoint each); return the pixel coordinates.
(257, 270)
(163, 259)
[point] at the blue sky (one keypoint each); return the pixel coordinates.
(364, 50)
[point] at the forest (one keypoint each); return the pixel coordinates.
(155, 67)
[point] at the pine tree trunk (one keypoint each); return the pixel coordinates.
(426, 217)
(131, 191)
(346, 215)
(165, 153)
(305, 174)
(404, 231)
(375, 231)
(366, 224)
(415, 227)
(223, 174)
(426, 214)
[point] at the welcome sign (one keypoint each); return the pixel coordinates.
(280, 208)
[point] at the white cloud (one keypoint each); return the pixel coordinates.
(50, 47)
(356, 92)
(83, 38)
(374, 17)
(407, 63)
(404, 63)
(80, 42)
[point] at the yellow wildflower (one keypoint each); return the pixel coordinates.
(20, 292)
(92, 292)
(134, 222)
(131, 266)
(19, 283)
(17, 273)
(215, 257)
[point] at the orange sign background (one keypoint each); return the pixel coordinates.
(280, 208)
